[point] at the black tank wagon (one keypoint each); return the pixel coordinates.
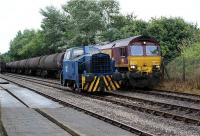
(2, 66)
(48, 65)
(51, 64)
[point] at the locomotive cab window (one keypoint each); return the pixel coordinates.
(93, 50)
(123, 52)
(67, 55)
(77, 52)
(137, 50)
(152, 50)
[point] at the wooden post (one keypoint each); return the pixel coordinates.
(183, 68)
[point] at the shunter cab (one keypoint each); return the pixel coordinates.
(86, 68)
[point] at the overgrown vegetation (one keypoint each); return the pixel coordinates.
(184, 71)
(187, 63)
(83, 22)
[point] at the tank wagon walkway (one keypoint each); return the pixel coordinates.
(25, 113)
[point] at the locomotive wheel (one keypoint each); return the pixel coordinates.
(62, 81)
(75, 88)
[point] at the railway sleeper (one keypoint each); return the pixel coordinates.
(191, 121)
(178, 118)
(159, 113)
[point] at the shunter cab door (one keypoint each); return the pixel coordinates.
(70, 64)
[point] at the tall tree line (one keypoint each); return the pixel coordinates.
(84, 22)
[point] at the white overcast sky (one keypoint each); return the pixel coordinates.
(18, 15)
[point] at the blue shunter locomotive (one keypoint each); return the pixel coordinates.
(87, 69)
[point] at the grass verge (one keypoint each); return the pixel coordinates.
(191, 87)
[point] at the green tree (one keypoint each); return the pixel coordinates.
(19, 42)
(26, 44)
(171, 32)
(53, 29)
(89, 19)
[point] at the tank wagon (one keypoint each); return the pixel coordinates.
(81, 68)
(2, 66)
(138, 58)
(49, 65)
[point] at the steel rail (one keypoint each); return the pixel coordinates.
(170, 96)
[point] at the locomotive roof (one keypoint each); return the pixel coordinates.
(127, 41)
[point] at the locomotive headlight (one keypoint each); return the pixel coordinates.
(133, 67)
(158, 66)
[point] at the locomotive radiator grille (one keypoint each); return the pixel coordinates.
(101, 63)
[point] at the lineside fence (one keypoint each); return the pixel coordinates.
(183, 70)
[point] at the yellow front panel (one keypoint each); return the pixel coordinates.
(144, 63)
(109, 84)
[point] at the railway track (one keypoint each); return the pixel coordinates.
(147, 106)
(177, 93)
(174, 97)
(66, 104)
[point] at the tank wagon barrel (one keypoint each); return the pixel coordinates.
(52, 62)
(22, 64)
(33, 63)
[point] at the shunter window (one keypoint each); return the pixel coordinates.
(67, 55)
(77, 52)
(94, 50)
(123, 52)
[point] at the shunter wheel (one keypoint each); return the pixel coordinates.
(62, 81)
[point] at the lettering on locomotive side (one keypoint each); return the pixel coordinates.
(66, 68)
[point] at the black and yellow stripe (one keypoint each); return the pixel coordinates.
(100, 83)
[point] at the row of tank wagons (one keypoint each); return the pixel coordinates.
(49, 65)
(138, 58)
(2, 66)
